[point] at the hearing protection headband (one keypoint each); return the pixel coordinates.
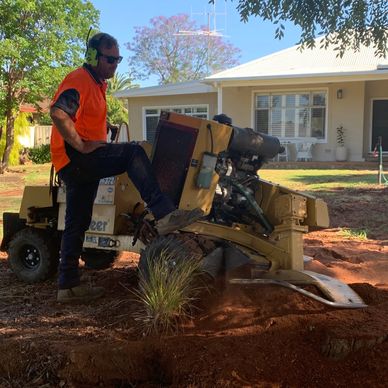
(91, 55)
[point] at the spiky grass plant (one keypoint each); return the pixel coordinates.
(357, 234)
(169, 283)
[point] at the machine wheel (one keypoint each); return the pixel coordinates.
(169, 247)
(99, 258)
(33, 255)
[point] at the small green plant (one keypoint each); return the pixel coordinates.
(167, 290)
(357, 234)
(340, 136)
(40, 155)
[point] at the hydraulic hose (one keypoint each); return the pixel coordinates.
(258, 212)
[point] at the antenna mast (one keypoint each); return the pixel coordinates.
(209, 31)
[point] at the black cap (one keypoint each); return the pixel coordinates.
(223, 119)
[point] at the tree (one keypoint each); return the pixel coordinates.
(343, 23)
(175, 49)
(40, 41)
(117, 112)
(119, 82)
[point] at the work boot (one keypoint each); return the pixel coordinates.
(79, 294)
(178, 219)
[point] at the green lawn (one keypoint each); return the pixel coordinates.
(321, 180)
(29, 174)
(12, 184)
(38, 174)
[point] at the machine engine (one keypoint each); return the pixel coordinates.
(237, 167)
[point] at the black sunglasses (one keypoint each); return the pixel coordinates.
(110, 59)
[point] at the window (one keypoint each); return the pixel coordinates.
(152, 116)
(292, 115)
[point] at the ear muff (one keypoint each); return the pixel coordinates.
(91, 56)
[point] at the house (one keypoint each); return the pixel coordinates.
(302, 97)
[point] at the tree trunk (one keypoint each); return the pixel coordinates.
(9, 139)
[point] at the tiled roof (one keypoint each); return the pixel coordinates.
(44, 107)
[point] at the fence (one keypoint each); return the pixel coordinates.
(42, 135)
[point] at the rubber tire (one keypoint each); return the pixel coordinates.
(99, 258)
(47, 247)
(159, 245)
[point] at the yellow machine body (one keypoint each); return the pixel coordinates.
(290, 212)
(213, 166)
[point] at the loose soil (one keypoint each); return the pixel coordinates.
(261, 336)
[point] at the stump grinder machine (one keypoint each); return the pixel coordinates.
(251, 232)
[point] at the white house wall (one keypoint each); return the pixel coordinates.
(136, 105)
(348, 112)
(238, 103)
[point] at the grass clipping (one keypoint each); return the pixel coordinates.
(167, 291)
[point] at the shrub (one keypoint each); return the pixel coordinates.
(341, 136)
(168, 286)
(40, 155)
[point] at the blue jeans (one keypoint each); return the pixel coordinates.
(82, 176)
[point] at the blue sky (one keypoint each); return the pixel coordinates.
(255, 38)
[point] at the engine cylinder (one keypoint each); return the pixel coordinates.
(247, 142)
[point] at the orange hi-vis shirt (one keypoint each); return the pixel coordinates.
(87, 109)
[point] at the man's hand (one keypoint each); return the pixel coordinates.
(67, 130)
(89, 146)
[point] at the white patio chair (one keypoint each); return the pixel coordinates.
(284, 154)
(303, 151)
